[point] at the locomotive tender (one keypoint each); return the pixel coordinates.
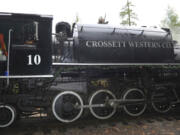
(99, 68)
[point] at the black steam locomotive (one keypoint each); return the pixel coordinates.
(100, 68)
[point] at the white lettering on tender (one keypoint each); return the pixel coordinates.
(125, 44)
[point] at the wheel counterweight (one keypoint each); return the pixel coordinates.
(134, 109)
(99, 106)
(67, 106)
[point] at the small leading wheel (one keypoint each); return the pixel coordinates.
(160, 101)
(99, 106)
(7, 115)
(67, 106)
(134, 109)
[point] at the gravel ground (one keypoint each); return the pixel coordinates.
(145, 125)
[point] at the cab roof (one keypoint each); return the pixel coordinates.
(24, 15)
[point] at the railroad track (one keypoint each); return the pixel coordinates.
(30, 126)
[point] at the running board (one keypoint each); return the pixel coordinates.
(115, 64)
(26, 76)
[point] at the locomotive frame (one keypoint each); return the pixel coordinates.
(100, 68)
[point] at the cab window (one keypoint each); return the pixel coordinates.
(25, 33)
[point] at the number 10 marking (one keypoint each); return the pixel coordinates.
(36, 58)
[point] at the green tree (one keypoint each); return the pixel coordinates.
(77, 18)
(127, 14)
(102, 20)
(171, 20)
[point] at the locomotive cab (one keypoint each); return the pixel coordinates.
(25, 41)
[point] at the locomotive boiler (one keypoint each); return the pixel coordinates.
(123, 45)
(108, 44)
(93, 68)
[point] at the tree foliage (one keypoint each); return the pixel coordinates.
(171, 20)
(102, 20)
(77, 18)
(127, 14)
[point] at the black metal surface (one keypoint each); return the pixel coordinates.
(23, 43)
(101, 43)
(90, 44)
